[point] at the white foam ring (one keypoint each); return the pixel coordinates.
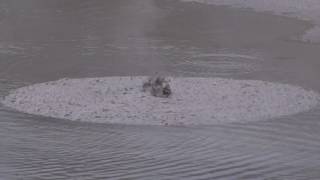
(194, 101)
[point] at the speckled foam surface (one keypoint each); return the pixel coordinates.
(194, 101)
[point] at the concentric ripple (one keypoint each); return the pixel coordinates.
(194, 101)
(219, 64)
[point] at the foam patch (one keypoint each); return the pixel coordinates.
(195, 101)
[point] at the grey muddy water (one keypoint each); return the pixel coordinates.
(47, 40)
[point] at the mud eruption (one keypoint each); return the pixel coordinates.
(157, 86)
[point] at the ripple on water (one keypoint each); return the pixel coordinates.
(232, 151)
(218, 64)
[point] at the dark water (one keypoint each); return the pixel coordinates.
(47, 40)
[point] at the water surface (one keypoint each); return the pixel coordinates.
(47, 40)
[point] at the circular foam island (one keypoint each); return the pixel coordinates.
(195, 101)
